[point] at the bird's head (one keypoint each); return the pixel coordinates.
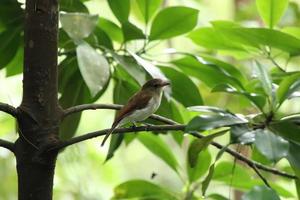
(155, 84)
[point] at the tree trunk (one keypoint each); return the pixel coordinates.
(39, 114)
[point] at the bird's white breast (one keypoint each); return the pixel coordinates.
(142, 114)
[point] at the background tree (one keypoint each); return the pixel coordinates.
(235, 82)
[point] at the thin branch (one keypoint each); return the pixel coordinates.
(261, 176)
(249, 162)
(8, 109)
(7, 145)
(84, 107)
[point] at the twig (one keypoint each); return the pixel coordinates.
(8, 109)
(260, 175)
(7, 145)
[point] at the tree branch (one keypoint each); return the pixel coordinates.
(179, 127)
(7, 145)
(8, 109)
(83, 107)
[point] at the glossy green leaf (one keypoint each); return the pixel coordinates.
(111, 29)
(217, 120)
(173, 21)
(293, 155)
(292, 30)
(93, 66)
(217, 197)
(120, 8)
(211, 74)
(10, 40)
(201, 167)
(78, 25)
(148, 7)
(183, 88)
(11, 14)
(287, 87)
(152, 70)
(270, 145)
(130, 65)
(271, 10)
(261, 193)
(114, 144)
(291, 133)
(158, 147)
(198, 145)
(241, 134)
(141, 189)
(131, 32)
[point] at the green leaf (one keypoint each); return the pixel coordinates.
(131, 32)
(15, 66)
(115, 142)
(293, 155)
(152, 70)
(183, 88)
(271, 10)
(287, 87)
(264, 78)
(11, 14)
(93, 66)
(245, 39)
(141, 189)
(159, 148)
(201, 167)
(261, 193)
(72, 6)
(210, 74)
(212, 39)
(210, 174)
(130, 65)
(10, 40)
(217, 197)
(111, 29)
(217, 120)
(291, 133)
(173, 21)
(120, 8)
(199, 145)
(78, 25)
(257, 99)
(102, 38)
(148, 8)
(241, 134)
(292, 30)
(270, 145)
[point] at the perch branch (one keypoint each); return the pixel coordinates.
(7, 145)
(8, 109)
(172, 125)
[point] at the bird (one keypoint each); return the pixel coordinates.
(140, 106)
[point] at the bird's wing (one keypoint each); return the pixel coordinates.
(139, 101)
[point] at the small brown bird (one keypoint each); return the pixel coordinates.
(141, 105)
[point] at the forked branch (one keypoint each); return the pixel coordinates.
(7, 145)
(8, 109)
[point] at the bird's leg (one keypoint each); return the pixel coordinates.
(147, 125)
(133, 125)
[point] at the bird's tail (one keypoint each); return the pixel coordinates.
(113, 127)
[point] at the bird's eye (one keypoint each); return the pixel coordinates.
(156, 85)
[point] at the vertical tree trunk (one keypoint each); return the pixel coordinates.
(39, 114)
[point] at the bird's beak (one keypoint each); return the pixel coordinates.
(165, 83)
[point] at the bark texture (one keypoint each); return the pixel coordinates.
(39, 114)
